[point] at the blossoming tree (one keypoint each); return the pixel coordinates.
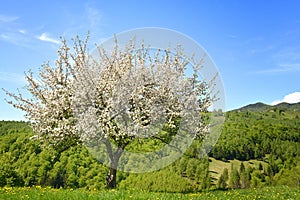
(115, 97)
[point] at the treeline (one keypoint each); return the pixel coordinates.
(272, 137)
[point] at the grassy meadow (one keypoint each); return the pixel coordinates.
(216, 167)
(63, 194)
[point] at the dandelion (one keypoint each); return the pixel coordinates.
(38, 187)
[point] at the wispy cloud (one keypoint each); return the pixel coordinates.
(15, 38)
(281, 68)
(46, 38)
(232, 36)
(23, 31)
(93, 15)
(6, 18)
(283, 61)
(12, 77)
(290, 98)
(289, 54)
(290, 66)
(90, 18)
(261, 50)
(13, 32)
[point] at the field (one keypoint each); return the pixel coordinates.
(57, 194)
(216, 167)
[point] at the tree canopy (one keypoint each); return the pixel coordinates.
(115, 98)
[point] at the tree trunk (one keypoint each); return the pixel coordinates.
(111, 178)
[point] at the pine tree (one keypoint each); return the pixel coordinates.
(244, 177)
(234, 180)
(222, 182)
(260, 167)
(242, 167)
(244, 180)
(206, 181)
(225, 174)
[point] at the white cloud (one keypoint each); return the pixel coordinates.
(23, 31)
(290, 98)
(45, 37)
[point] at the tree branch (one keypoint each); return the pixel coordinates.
(165, 142)
(109, 149)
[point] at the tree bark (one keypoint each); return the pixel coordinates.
(111, 178)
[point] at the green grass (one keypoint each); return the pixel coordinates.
(63, 194)
(216, 167)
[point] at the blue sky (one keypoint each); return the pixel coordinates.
(255, 44)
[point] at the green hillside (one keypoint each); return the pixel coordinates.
(259, 146)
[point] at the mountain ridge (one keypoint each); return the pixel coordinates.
(262, 107)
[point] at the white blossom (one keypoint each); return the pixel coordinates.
(116, 96)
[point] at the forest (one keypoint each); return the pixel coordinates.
(259, 146)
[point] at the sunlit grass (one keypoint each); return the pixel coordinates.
(217, 166)
(38, 192)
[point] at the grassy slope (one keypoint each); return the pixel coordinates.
(216, 167)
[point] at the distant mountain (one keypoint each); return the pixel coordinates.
(261, 107)
(288, 106)
(255, 107)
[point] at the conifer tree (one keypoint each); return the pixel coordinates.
(234, 179)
